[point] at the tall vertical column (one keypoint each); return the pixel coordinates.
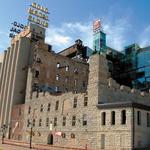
(8, 83)
(12, 74)
(2, 70)
(18, 79)
(1, 81)
(3, 88)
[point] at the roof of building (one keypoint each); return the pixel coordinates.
(123, 104)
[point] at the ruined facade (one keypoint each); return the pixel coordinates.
(106, 116)
(68, 98)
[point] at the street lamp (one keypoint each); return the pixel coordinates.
(31, 134)
(3, 132)
(31, 130)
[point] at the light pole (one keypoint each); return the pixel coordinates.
(31, 135)
(3, 132)
(31, 130)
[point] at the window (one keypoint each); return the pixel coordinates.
(138, 118)
(33, 123)
(75, 103)
(76, 71)
(55, 121)
(47, 122)
(103, 118)
(63, 135)
(75, 91)
(72, 135)
(75, 82)
(67, 68)
(84, 119)
(40, 122)
(47, 74)
(73, 120)
(66, 89)
(148, 119)
(58, 65)
(85, 101)
(64, 121)
(123, 117)
(57, 77)
(41, 109)
(83, 83)
(29, 110)
(19, 111)
(38, 60)
(103, 141)
(113, 117)
(66, 80)
(57, 105)
(56, 89)
(48, 107)
(37, 74)
(35, 87)
(28, 123)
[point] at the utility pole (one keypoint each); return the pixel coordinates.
(31, 136)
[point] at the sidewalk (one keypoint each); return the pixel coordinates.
(11, 147)
(19, 145)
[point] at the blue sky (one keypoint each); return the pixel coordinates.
(124, 21)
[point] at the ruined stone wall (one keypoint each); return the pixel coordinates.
(71, 75)
(101, 89)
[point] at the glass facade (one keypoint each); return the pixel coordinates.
(143, 66)
(130, 67)
(99, 43)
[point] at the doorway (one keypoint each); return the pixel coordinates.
(50, 139)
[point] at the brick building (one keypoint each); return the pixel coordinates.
(106, 116)
(69, 98)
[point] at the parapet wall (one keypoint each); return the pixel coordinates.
(106, 88)
(102, 88)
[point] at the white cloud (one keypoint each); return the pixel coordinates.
(63, 36)
(144, 37)
(56, 37)
(117, 33)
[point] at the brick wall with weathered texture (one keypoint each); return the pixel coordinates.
(101, 89)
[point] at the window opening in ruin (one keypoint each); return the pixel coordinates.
(64, 121)
(84, 119)
(75, 103)
(85, 101)
(73, 120)
(55, 121)
(123, 117)
(138, 118)
(58, 65)
(57, 105)
(37, 74)
(103, 117)
(113, 118)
